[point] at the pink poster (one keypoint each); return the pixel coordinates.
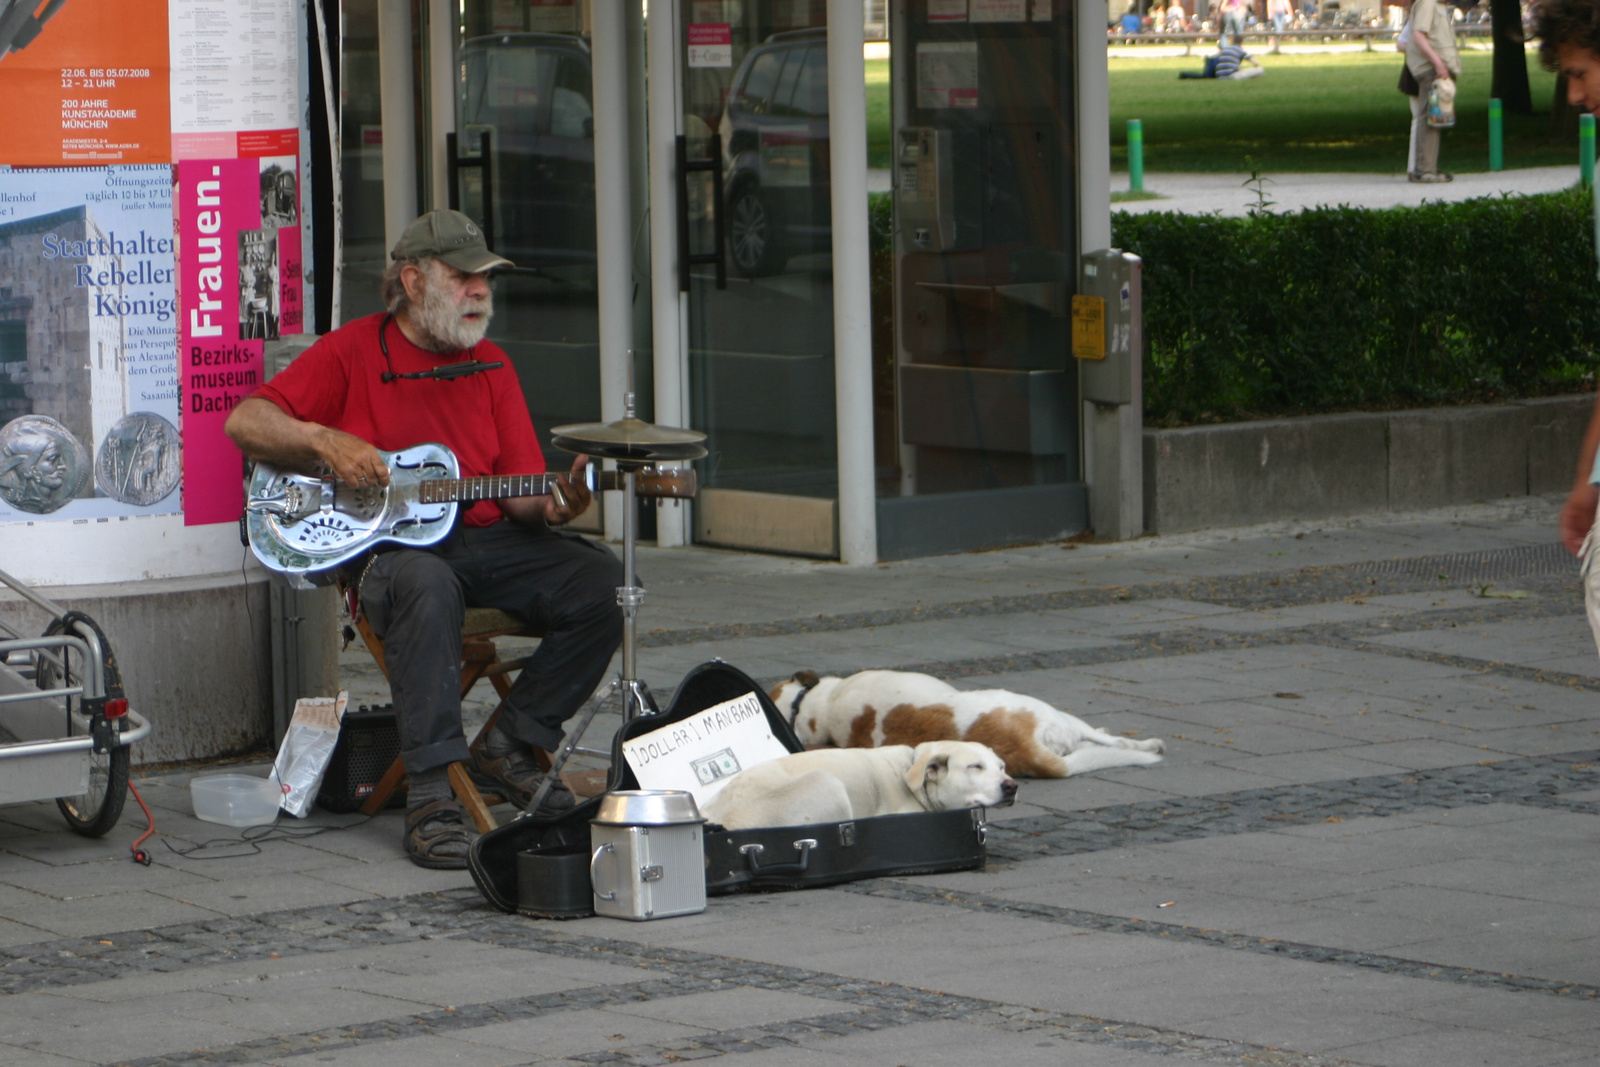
(228, 288)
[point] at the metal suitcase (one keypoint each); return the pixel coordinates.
(768, 858)
(647, 872)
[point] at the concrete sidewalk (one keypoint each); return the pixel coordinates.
(1230, 194)
(1371, 842)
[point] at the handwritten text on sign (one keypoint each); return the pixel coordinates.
(700, 753)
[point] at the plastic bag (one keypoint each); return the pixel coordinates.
(307, 747)
(1442, 104)
(1591, 580)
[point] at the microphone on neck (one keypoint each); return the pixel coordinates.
(446, 371)
(443, 372)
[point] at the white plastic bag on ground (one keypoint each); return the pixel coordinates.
(307, 747)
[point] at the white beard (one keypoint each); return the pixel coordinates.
(440, 324)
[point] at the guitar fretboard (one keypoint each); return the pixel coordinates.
(488, 487)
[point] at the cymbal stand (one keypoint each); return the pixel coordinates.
(636, 697)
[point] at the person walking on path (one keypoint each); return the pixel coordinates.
(1232, 20)
(1433, 60)
(1569, 43)
(1279, 12)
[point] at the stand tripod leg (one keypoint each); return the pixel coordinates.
(569, 745)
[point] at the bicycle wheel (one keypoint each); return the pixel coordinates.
(96, 810)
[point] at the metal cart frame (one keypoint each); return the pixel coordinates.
(65, 725)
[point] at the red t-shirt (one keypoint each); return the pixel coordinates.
(482, 418)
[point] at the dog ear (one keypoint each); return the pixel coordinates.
(926, 766)
(808, 679)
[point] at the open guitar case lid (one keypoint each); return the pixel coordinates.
(792, 857)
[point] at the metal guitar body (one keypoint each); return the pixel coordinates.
(299, 524)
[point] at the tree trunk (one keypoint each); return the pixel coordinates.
(1510, 82)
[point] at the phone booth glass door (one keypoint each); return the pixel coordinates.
(760, 337)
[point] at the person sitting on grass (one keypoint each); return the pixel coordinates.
(1229, 62)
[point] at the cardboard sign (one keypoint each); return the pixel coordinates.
(699, 754)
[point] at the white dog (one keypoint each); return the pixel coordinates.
(876, 708)
(835, 785)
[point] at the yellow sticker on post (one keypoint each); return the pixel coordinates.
(1088, 327)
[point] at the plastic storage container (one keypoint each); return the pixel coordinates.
(235, 799)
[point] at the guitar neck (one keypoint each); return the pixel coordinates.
(499, 487)
(487, 487)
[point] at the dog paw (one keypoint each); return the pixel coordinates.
(1155, 744)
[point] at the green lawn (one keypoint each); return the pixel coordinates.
(1326, 112)
(879, 149)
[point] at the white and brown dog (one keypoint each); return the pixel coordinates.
(835, 785)
(875, 708)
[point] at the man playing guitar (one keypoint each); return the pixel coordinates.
(423, 372)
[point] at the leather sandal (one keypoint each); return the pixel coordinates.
(515, 774)
(438, 835)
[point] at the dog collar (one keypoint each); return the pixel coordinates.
(794, 705)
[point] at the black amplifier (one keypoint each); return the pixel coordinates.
(369, 741)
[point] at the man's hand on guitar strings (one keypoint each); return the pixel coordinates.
(353, 460)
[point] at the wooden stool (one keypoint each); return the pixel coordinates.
(479, 659)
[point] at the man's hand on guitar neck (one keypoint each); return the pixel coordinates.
(556, 508)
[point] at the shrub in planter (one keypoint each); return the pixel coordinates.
(1333, 309)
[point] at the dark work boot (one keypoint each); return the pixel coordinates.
(502, 762)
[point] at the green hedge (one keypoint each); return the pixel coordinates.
(1335, 309)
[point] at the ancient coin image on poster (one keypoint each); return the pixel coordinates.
(139, 460)
(42, 466)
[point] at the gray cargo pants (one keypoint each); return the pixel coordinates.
(563, 584)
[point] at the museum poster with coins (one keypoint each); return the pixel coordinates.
(151, 229)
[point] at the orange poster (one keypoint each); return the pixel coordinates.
(87, 80)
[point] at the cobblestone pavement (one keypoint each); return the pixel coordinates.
(1371, 842)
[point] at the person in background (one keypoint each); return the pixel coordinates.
(1232, 21)
(1432, 58)
(1279, 13)
(1230, 62)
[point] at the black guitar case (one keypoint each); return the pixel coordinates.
(793, 857)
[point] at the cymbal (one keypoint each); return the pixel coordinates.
(629, 439)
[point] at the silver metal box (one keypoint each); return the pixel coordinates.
(647, 872)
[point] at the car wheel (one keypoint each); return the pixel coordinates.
(752, 235)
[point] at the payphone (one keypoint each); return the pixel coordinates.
(925, 178)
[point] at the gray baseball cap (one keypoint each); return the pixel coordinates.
(452, 239)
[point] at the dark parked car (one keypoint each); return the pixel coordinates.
(533, 92)
(774, 133)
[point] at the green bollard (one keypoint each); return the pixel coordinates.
(1596, 198)
(1497, 145)
(1136, 153)
(1586, 149)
